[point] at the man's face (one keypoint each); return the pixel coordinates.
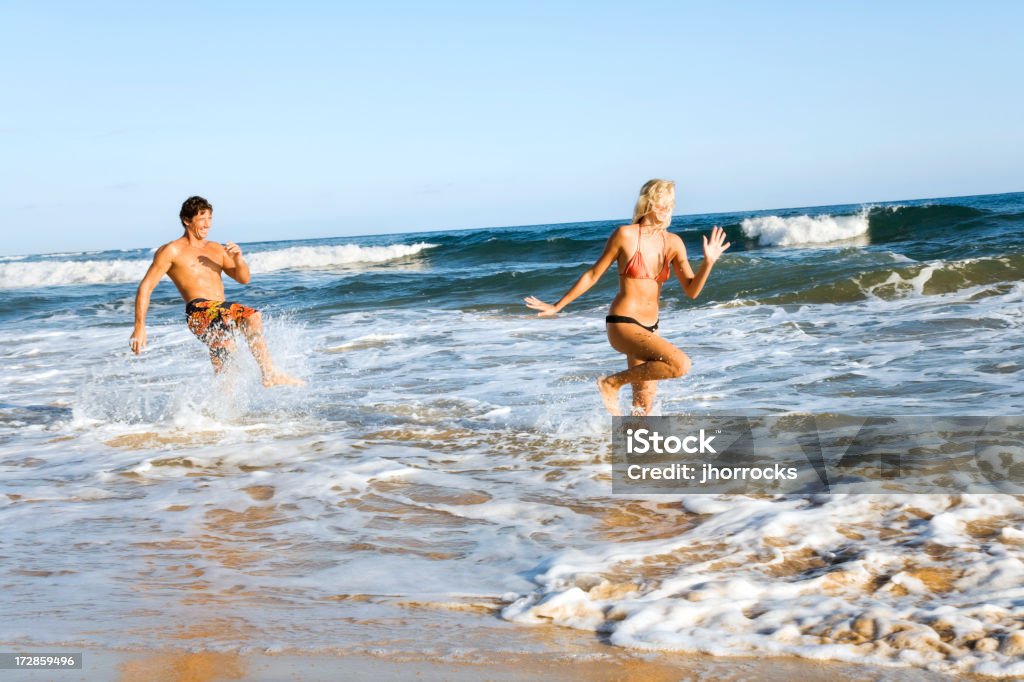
(200, 223)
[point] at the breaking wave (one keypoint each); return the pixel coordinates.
(31, 274)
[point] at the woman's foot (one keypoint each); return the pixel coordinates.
(609, 395)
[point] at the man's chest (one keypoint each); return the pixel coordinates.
(199, 262)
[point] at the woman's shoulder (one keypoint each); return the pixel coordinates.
(675, 241)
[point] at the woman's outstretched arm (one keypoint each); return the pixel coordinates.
(713, 248)
(586, 280)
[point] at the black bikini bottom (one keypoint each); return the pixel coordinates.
(630, 320)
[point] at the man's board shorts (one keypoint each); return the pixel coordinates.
(213, 322)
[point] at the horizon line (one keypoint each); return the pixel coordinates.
(556, 224)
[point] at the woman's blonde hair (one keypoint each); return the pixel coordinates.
(655, 193)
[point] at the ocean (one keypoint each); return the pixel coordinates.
(447, 469)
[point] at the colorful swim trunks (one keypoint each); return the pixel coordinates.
(213, 322)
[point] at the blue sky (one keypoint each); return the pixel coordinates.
(327, 119)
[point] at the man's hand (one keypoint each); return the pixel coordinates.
(234, 251)
(714, 248)
(234, 265)
(138, 340)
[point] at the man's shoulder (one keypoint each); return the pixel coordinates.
(169, 250)
(179, 249)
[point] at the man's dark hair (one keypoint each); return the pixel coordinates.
(191, 207)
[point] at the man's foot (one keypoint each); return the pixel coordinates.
(609, 396)
(281, 379)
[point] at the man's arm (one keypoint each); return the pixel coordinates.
(162, 261)
(234, 264)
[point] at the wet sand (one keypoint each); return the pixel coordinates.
(207, 666)
(563, 655)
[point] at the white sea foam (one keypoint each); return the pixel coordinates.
(777, 577)
(804, 229)
(56, 273)
(331, 256)
(363, 342)
(474, 456)
(20, 274)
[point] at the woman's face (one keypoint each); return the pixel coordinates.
(662, 211)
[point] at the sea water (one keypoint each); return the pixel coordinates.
(450, 454)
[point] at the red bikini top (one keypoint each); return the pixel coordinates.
(636, 268)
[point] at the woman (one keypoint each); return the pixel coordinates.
(632, 321)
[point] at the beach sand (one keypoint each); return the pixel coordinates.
(544, 653)
(599, 666)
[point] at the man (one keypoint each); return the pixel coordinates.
(195, 266)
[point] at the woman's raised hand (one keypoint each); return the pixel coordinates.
(546, 309)
(714, 247)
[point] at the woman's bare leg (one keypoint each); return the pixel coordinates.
(659, 360)
(643, 391)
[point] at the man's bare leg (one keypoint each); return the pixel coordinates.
(221, 346)
(252, 328)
